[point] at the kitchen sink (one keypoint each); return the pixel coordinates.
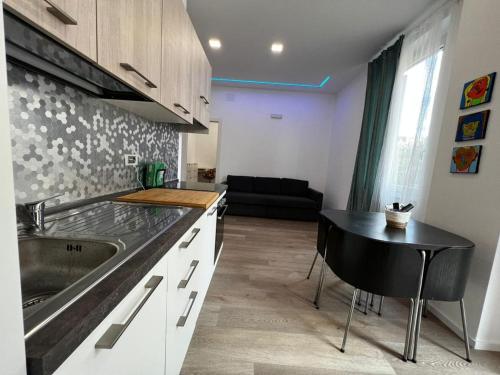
(50, 265)
(79, 248)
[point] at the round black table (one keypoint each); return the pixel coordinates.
(424, 238)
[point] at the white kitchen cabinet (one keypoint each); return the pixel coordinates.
(158, 336)
(141, 347)
(188, 269)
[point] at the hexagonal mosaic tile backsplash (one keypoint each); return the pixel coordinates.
(65, 141)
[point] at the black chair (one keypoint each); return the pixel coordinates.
(392, 271)
(446, 280)
(324, 227)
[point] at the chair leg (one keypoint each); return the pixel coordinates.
(408, 330)
(360, 294)
(417, 330)
(366, 303)
(320, 283)
(371, 300)
(466, 335)
(349, 317)
(381, 302)
(312, 266)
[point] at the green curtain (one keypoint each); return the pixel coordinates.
(381, 75)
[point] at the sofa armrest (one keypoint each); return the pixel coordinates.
(315, 196)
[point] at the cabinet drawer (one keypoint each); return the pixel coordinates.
(131, 339)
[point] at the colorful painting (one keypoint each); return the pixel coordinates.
(472, 126)
(465, 159)
(478, 91)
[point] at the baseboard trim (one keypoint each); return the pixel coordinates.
(487, 345)
(457, 329)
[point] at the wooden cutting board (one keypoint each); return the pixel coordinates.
(172, 197)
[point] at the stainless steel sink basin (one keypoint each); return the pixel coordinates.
(50, 265)
(81, 247)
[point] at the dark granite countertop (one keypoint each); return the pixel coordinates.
(50, 346)
(202, 186)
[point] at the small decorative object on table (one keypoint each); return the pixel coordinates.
(397, 217)
(209, 174)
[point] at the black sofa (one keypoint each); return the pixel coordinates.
(281, 198)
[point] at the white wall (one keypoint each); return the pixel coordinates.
(349, 106)
(469, 204)
(251, 143)
(12, 357)
(202, 148)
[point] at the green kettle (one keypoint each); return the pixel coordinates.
(155, 174)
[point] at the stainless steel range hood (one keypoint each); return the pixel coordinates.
(32, 49)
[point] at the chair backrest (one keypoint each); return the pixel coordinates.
(376, 267)
(447, 274)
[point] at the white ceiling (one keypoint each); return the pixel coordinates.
(321, 37)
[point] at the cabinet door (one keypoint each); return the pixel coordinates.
(176, 91)
(206, 89)
(129, 42)
(141, 347)
(196, 76)
(69, 21)
(202, 76)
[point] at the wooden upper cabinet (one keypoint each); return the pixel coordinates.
(196, 74)
(129, 42)
(206, 89)
(176, 79)
(201, 76)
(70, 21)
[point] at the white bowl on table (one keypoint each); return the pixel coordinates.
(396, 219)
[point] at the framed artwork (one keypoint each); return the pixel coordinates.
(465, 159)
(478, 91)
(472, 126)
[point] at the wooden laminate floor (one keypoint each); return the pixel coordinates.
(258, 316)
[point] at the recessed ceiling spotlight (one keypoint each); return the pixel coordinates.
(214, 43)
(277, 47)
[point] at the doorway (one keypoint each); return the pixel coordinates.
(201, 154)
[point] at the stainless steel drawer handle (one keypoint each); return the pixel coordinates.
(192, 268)
(130, 68)
(214, 210)
(178, 105)
(204, 98)
(183, 318)
(60, 14)
(111, 336)
(221, 216)
(194, 233)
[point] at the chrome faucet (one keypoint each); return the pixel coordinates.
(36, 211)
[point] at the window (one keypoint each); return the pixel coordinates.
(407, 158)
(413, 131)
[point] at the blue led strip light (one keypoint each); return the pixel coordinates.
(272, 83)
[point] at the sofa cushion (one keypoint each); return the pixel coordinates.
(240, 183)
(290, 186)
(267, 185)
(269, 200)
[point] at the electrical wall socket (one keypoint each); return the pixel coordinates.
(131, 160)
